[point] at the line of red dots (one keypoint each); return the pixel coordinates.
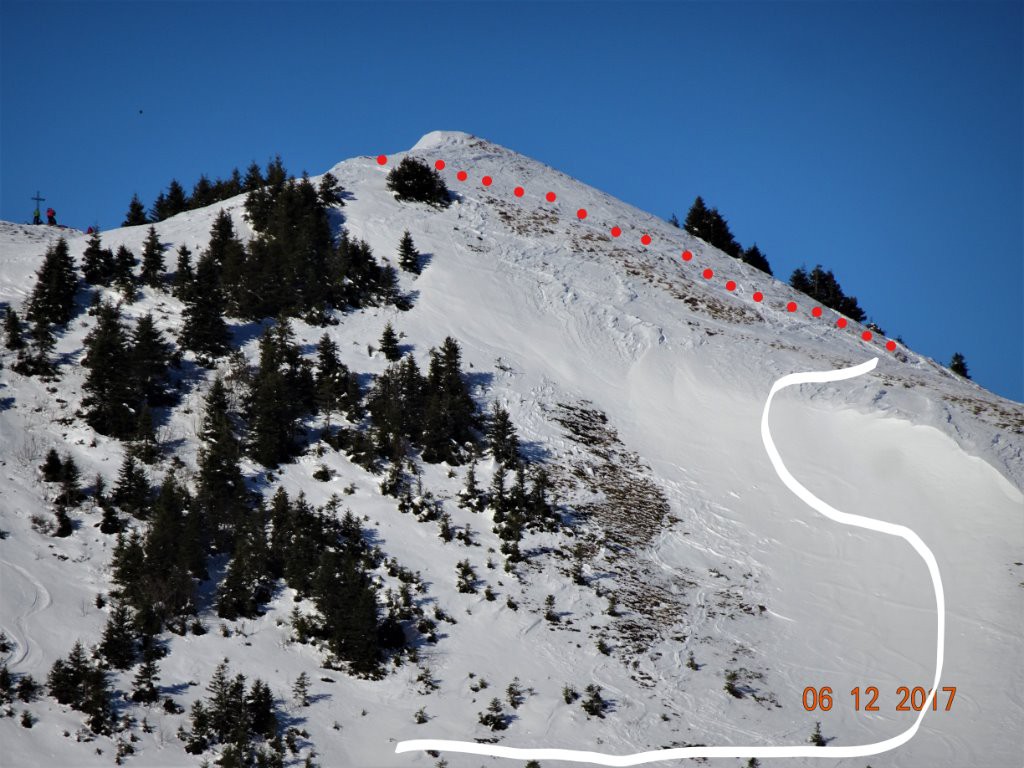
(645, 239)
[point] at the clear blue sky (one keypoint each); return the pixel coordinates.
(881, 140)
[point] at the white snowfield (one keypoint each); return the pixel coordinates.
(548, 310)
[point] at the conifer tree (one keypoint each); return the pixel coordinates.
(6, 683)
(148, 361)
(709, 225)
(202, 193)
(721, 236)
(225, 250)
(452, 383)
(539, 510)
(263, 191)
(68, 679)
(502, 437)
(124, 264)
(471, 497)
(97, 262)
(387, 289)
(118, 643)
(144, 688)
(820, 284)
(498, 495)
(108, 390)
(176, 201)
(70, 490)
(396, 404)
(800, 281)
(226, 702)
(246, 585)
(143, 445)
(697, 220)
(97, 706)
(253, 178)
(260, 706)
(172, 554)
(345, 597)
(53, 297)
(755, 258)
(83, 686)
(111, 522)
(816, 737)
(283, 389)
(330, 192)
(158, 211)
(272, 427)
(152, 259)
(221, 488)
(328, 368)
(183, 276)
(449, 410)
(276, 175)
(389, 343)
(35, 360)
(136, 215)
(99, 490)
(64, 525)
(412, 179)
(336, 387)
(958, 365)
(128, 565)
(203, 328)
(52, 467)
(12, 330)
(408, 256)
(131, 493)
(300, 691)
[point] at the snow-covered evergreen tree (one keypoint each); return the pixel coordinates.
(53, 297)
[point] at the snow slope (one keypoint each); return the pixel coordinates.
(551, 310)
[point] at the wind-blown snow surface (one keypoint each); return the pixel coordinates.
(550, 310)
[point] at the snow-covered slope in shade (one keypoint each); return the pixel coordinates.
(553, 312)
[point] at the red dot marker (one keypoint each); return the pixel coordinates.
(518, 191)
(890, 345)
(841, 322)
(581, 214)
(731, 285)
(687, 255)
(439, 165)
(708, 273)
(758, 296)
(550, 197)
(645, 239)
(382, 159)
(486, 180)
(816, 311)
(866, 335)
(462, 175)
(616, 231)
(791, 307)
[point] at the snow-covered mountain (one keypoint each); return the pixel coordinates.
(640, 384)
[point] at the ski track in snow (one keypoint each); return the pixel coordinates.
(29, 653)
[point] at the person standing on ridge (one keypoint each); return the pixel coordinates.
(36, 218)
(51, 216)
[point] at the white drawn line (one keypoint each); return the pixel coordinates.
(862, 750)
